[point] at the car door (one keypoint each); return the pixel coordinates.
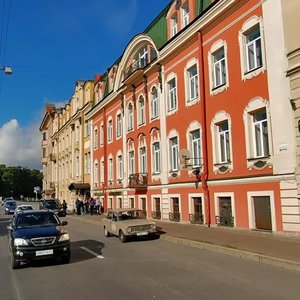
(10, 229)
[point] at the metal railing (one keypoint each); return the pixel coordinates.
(225, 221)
(174, 217)
(156, 215)
(196, 218)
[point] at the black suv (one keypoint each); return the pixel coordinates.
(53, 204)
(37, 234)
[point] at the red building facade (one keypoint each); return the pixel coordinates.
(185, 127)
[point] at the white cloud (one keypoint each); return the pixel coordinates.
(20, 146)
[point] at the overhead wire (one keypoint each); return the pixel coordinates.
(4, 35)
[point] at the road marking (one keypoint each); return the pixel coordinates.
(92, 252)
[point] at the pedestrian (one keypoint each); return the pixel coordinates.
(92, 206)
(77, 203)
(97, 203)
(64, 206)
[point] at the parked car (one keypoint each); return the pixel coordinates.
(10, 207)
(7, 199)
(24, 207)
(53, 204)
(128, 222)
(37, 234)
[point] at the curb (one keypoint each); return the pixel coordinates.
(278, 262)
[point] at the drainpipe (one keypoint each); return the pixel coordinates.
(204, 174)
(105, 204)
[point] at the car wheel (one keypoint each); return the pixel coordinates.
(14, 263)
(122, 237)
(106, 233)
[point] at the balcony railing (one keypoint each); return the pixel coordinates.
(174, 217)
(225, 221)
(138, 180)
(196, 218)
(156, 215)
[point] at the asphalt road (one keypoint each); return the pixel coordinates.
(104, 268)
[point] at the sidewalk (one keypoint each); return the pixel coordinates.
(259, 246)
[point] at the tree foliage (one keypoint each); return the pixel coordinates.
(19, 181)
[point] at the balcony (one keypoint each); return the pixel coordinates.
(138, 181)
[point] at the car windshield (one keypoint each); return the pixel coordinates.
(11, 203)
(32, 220)
(130, 215)
(24, 207)
(51, 204)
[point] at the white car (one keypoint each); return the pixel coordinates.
(24, 207)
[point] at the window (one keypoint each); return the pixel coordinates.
(154, 103)
(193, 90)
(95, 138)
(102, 171)
(174, 25)
(119, 125)
(142, 57)
(156, 157)
(143, 160)
(141, 111)
(131, 162)
(260, 134)
(174, 154)
(87, 128)
(110, 130)
(195, 147)
(172, 97)
(253, 49)
(223, 142)
(101, 134)
(185, 15)
(110, 169)
(120, 166)
(219, 68)
(130, 117)
(96, 179)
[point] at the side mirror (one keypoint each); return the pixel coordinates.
(9, 227)
(64, 223)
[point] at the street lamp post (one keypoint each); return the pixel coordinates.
(7, 70)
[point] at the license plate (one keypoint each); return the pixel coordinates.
(44, 252)
(142, 233)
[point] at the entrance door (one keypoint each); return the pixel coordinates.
(262, 211)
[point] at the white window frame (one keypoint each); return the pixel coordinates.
(110, 130)
(172, 103)
(212, 64)
(119, 125)
(130, 117)
(191, 83)
(173, 25)
(110, 169)
(255, 105)
(174, 154)
(119, 166)
(247, 27)
(143, 160)
(185, 14)
(196, 149)
(96, 173)
(101, 134)
(154, 103)
(156, 156)
(141, 111)
(131, 162)
(95, 138)
(102, 170)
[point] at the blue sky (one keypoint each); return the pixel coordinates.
(50, 44)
